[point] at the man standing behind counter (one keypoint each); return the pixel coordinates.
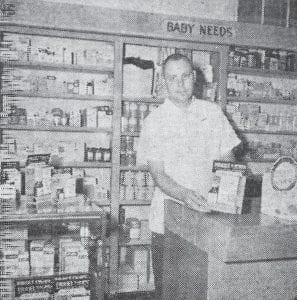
(179, 142)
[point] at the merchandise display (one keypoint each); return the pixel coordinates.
(56, 83)
(30, 48)
(253, 116)
(74, 200)
(247, 87)
(269, 59)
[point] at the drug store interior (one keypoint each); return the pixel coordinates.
(77, 80)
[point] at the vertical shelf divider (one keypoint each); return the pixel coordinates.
(115, 174)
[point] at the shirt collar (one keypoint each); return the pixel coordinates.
(196, 108)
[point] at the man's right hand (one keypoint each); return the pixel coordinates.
(195, 201)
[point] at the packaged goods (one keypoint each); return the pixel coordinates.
(41, 258)
(7, 199)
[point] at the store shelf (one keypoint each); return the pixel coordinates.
(262, 101)
(135, 203)
(259, 161)
(134, 134)
(135, 243)
(86, 164)
(148, 100)
(54, 128)
(49, 217)
(245, 131)
(65, 96)
(134, 168)
(262, 72)
(57, 67)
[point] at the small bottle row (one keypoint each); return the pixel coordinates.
(62, 149)
(136, 186)
(51, 50)
(94, 117)
(268, 59)
(128, 150)
(133, 115)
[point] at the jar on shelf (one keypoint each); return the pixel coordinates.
(106, 155)
(98, 154)
(132, 124)
(134, 226)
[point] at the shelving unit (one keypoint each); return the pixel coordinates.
(52, 95)
(262, 72)
(54, 128)
(263, 101)
(56, 67)
(100, 27)
(95, 277)
(275, 77)
(246, 131)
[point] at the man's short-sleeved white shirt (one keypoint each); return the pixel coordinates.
(187, 141)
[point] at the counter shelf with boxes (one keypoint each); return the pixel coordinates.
(40, 188)
(261, 102)
(53, 255)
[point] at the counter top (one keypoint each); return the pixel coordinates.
(234, 238)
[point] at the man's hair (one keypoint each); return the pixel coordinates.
(176, 57)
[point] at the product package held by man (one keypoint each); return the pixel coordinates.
(179, 142)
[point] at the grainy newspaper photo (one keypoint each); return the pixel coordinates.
(148, 150)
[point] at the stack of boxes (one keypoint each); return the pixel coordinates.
(42, 258)
(73, 257)
(136, 269)
(14, 260)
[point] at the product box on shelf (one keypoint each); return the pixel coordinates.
(41, 257)
(8, 203)
(73, 257)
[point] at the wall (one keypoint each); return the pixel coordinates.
(205, 9)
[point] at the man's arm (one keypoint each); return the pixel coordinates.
(175, 190)
(229, 156)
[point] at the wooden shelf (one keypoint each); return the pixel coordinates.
(54, 128)
(134, 168)
(259, 161)
(76, 97)
(135, 203)
(149, 100)
(135, 243)
(245, 131)
(49, 217)
(262, 72)
(86, 164)
(57, 67)
(135, 134)
(262, 101)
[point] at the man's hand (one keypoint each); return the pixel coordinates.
(195, 201)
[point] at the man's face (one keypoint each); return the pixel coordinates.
(179, 81)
